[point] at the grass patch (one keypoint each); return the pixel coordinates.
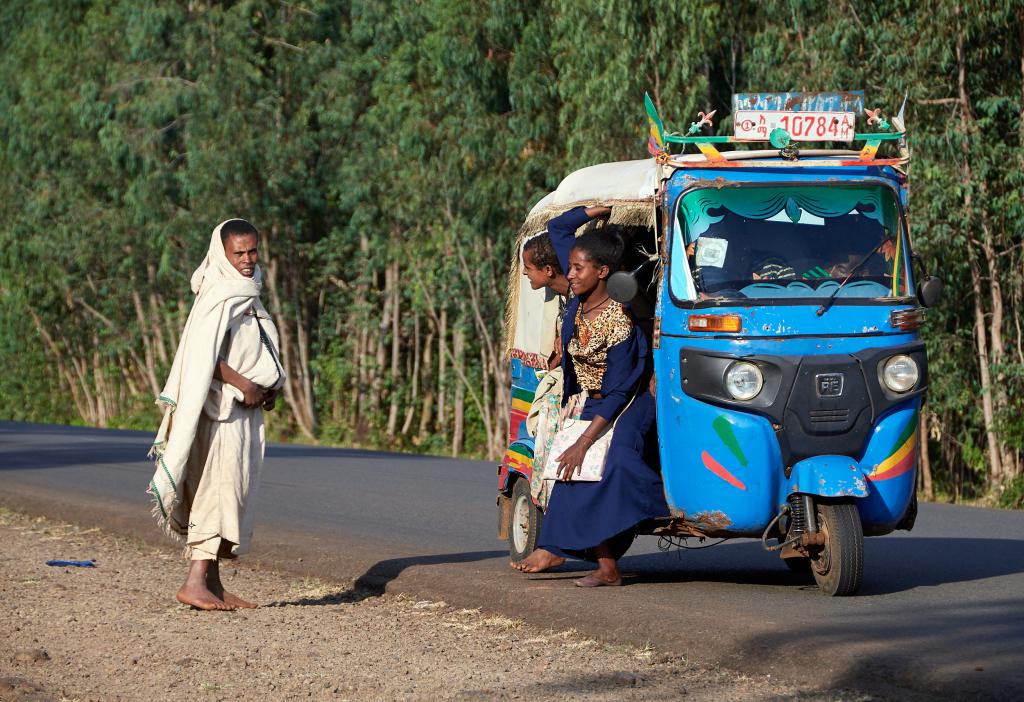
(499, 622)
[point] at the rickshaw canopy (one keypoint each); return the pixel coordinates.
(630, 188)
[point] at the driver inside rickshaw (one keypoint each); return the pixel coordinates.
(873, 265)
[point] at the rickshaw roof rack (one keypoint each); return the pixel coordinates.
(768, 158)
(782, 120)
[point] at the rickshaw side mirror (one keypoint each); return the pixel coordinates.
(929, 292)
(622, 286)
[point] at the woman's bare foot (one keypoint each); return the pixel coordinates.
(538, 561)
(607, 572)
(596, 579)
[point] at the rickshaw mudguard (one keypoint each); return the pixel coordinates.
(518, 460)
(828, 476)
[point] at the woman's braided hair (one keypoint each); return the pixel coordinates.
(543, 253)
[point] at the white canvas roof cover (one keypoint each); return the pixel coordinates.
(604, 182)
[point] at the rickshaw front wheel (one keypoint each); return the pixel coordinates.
(525, 523)
(838, 566)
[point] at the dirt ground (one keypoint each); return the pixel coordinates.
(115, 632)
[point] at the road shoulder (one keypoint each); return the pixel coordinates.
(115, 632)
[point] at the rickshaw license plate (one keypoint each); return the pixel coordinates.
(829, 384)
(802, 126)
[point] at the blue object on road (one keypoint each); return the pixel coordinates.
(91, 563)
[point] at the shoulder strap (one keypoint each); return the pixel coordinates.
(270, 348)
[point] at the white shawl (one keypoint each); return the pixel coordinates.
(252, 352)
(223, 295)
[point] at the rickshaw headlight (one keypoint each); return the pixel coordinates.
(900, 373)
(743, 380)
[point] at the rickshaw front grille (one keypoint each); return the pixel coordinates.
(829, 415)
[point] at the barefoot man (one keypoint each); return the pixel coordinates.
(209, 449)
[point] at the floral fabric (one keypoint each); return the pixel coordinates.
(552, 417)
(591, 340)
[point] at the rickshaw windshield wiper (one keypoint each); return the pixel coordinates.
(860, 264)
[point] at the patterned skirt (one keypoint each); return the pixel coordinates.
(552, 416)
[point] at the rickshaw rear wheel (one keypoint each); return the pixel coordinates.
(838, 566)
(526, 518)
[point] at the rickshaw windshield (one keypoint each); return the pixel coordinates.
(756, 242)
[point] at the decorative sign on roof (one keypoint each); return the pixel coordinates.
(846, 101)
(781, 119)
(804, 116)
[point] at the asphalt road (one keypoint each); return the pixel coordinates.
(941, 610)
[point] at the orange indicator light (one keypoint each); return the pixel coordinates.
(908, 319)
(715, 322)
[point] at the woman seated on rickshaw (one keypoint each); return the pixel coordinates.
(606, 374)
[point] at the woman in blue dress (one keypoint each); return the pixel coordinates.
(606, 371)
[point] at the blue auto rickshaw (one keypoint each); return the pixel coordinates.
(785, 319)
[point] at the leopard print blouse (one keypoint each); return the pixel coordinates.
(591, 340)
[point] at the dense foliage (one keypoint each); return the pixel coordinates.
(387, 151)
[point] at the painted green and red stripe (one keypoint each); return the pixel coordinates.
(723, 428)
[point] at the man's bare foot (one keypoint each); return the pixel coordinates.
(199, 597)
(235, 601)
(214, 585)
(538, 561)
(196, 591)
